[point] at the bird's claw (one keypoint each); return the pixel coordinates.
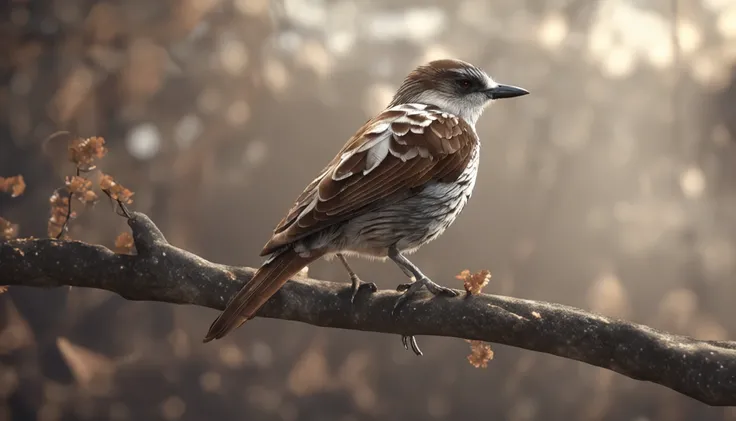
(440, 290)
(411, 288)
(411, 340)
(359, 285)
(403, 287)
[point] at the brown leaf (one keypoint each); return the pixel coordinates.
(106, 182)
(53, 230)
(77, 184)
(89, 197)
(480, 354)
(83, 152)
(15, 185)
(115, 190)
(80, 188)
(8, 230)
(475, 282)
(59, 214)
(124, 243)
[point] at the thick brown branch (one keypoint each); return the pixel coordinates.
(703, 370)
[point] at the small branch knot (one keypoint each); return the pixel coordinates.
(146, 234)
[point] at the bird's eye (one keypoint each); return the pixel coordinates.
(465, 83)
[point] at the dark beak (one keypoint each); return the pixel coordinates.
(505, 91)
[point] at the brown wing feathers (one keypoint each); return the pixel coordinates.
(426, 149)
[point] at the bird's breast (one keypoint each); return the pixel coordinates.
(450, 197)
(413, 221)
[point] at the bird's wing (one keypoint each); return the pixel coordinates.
(394, 153)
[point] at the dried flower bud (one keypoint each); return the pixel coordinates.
(83, 152)
(115, 190)
(14, 185)
(124, 243)
(475, 282)
(480, 354)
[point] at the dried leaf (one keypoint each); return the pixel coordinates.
(77, 184)
(115, 190)
(475, 282)
(8, 230)
(480, 354)
(80, 187)
(89, 197)
(59, 214)
(83, 152)
(106, 182)
(53, 230)
(124, 243)
(15, 185)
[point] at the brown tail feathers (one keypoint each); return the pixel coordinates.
(268, 279)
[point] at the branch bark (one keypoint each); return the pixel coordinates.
(703, 370)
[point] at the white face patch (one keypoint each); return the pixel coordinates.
(490, 83)
(469, 107)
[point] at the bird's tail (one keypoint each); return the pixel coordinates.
(268, 279)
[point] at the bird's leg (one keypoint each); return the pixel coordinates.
(421, 280)
(410, 339)
(410, 275)
(407, 340)
(357, 284)
(412, 271)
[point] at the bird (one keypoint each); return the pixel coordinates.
(398, 183)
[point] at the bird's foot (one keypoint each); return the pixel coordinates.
(411, 340)
(358, 285)
(411, 289)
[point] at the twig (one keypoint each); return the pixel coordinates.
(124, 212)
(64, 225)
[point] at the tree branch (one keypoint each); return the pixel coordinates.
(703, 370)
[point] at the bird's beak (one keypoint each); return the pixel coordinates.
(505, 91)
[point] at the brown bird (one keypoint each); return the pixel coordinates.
(396, 185)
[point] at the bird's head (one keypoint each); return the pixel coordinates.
(455, 86)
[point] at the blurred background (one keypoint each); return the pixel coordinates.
(610, 188)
